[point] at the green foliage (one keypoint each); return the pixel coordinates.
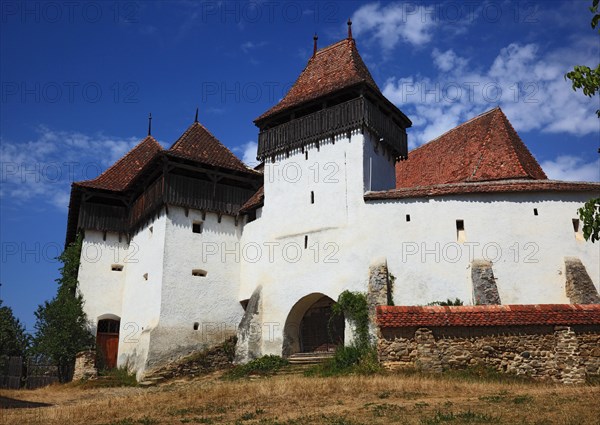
(467, 417)
(265, 365)
(590, 216)
(353, 306)
(61, 325)
(14, 341)
(361, 356)
(448, 302)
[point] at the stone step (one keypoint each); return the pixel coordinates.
(309, 358)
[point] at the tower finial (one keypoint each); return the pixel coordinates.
(150, 124)
(196, 118)
(349, 29)
(315, 38)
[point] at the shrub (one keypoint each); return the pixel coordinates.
(265, 365)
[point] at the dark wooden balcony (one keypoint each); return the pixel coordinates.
(358, 113)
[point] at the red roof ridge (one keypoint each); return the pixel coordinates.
(488, 315)
(486, 186)
(147, 142)
(190, 145)
(330, 69)
(518, 144)
(456, 128)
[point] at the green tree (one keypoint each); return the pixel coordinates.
(61, 326)
(588, 80)
(14, 341)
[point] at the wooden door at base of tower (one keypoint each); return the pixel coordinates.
(107, 342)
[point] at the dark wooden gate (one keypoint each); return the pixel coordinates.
(317, 331)
(107, 341)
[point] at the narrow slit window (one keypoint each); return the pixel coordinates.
(305, 241)
(312, 197)
(407, 217)
(306, 155)
(117, 267)
(196, 326)
(535, 211)
(199, 272)
(577, 229)
(460, 230)
(197, 226)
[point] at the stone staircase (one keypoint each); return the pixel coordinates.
(310, 358)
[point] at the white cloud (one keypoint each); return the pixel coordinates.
(572, 168)
(250, 45)
(395, 23)
(42, 170)
(249, 151)
(527, 83)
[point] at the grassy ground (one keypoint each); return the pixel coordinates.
(296, 399)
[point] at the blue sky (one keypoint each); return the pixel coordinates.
(78, 80)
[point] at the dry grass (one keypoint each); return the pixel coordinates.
(350, 400)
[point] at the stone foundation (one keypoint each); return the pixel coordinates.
(85, 365)
(564, 354)
(555, 342)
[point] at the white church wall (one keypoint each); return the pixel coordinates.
(197, 312)
(142, 295)
(527, 251)
(102, 287)
(424, 254)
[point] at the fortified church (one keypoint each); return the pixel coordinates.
(185, 247)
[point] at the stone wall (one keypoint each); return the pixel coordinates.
(85, 365)
(558, 353)
(579, 286)
(485, 291)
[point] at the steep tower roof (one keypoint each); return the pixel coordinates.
(119, 176)
(332, 68)
(198, 144)
(484, 148)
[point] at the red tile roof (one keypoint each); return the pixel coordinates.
(501, 186)
(485, 148)
(119, 176)
(488, 315)
(257, 200)
(198, 144)
(333, 68)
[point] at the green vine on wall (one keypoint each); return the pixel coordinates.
(353, 306)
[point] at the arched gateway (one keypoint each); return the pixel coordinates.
(310, 327)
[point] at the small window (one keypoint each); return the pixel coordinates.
(535, 211)
(108, 326)
(199, 272)
(196, 326)
(577, 230)
(197, 226)
(117, 267)
(306, 155)
(145, 276)
(460, 230)
(305, 241)
(312, 197)
(407, 217)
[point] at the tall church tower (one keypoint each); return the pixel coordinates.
(333, 137)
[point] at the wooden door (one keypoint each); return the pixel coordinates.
(107, 341)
